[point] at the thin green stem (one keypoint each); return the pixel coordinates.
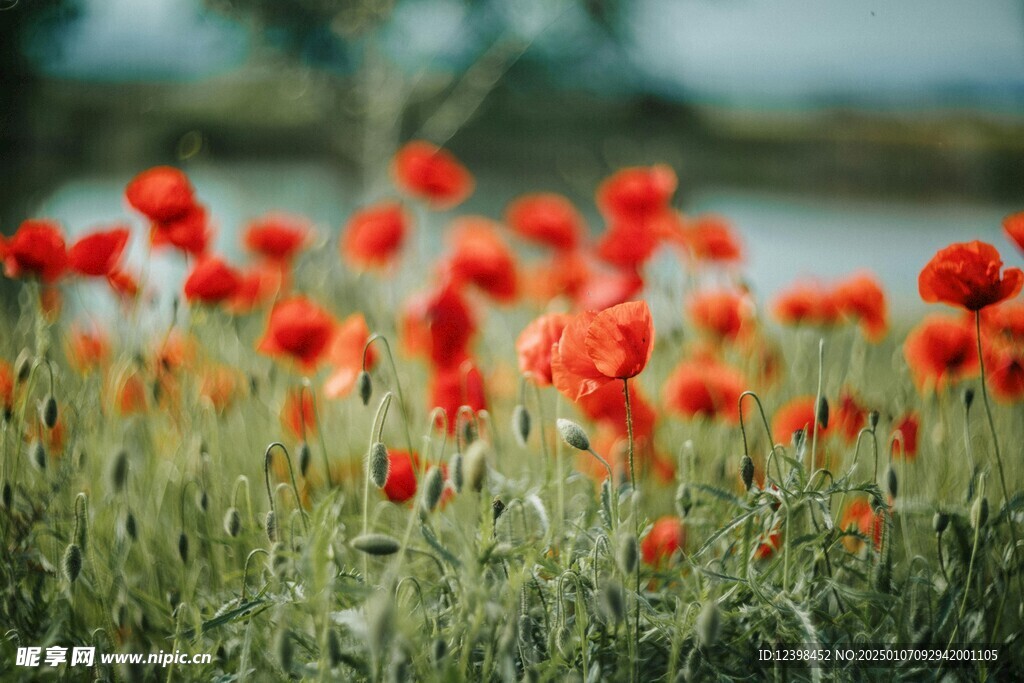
(398, 383)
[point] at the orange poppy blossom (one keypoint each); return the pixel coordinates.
(86, 348)
(131, 393)
(727, 314)
(1004, 368)
(345, 355)
(848, 417)
(428, 172)
(454, 387)
(860, 298)
(123, 284)
(710, 238)
(211, 281)
(704, 387)
(257, 286)
(1004, 320)
(666, 537)
(439, 325)
(806, 303)
(161, 193)
(968, 275)
(629, 242)
(400, 485)
(1013, 226)
(37, 249)
(189, 232)
(606, 407)
(482, 258)
(637, 193)
(299, 330)
(375, 234)
(859, 516)
(220, 386)
(548, 219)
(768, 545)
(940, 350)
(298, 414)
(598, 348)
(277, 236)
(98, 253)
(534, 346)
(907, 427)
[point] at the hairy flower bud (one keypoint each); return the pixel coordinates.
(130, 527)
(573, 434)
(455, 473)
(305, 457)
(613, 602)
(38, 454)
(979, 512)
(23, 366)
(379, 464)
(270, 525)
(709, 624)
(376, 544)
(521, 424)
(747, 471)
(232, 522)
(72, 562)
(183, 547)
(891, 482)
(433, 488)
(873, 419)
(284, 648)
(822, 412)
(364, 386)
(968, 397)
(476, 465)
(628, 554)
(940, 521)
(684, 500)
(119, 471)
(48, 411)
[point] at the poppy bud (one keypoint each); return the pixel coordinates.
(497, 508)
(365, 386)
(72, 562)
(873, 419)
(183, 547)
(380, 465)
(283, 646)
(940, 521)
(119, 471)
(613, 602)
(270, 526)
(49, 411)
(684, 500)
(232, 522)
(434, 487)
(979, 512)
(968, 397)
(627, 555)
(7, 496)
(376, 544)
(23, 366)
(606, 501)
(573, 434)
(521, 424)
(747, 471)
(890, 481)
(204, 500)
(38, 455)
(822, 412)
(563, 641)
(304, 458)
(130, 528)
(476, 465)
(455, 472)
(709, 624)
(469, 433)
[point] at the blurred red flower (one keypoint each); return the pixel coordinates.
(211, 281)
(706, 388)
(298, 329)
(711, 238)
(1004, 369)
(859, 516)
(219, 386)
(794, 416)
(6, 387)
(452, 388)
(431, 173)
(534, 346)
(161, 193)
(596, 348)
(298, 414)
(1014, 227)
(724, 313)
(968, 275)
(375, 234)
(256, 286)
(860, 297)
(86, 349)
(124, 284)
(768, 546)
(189, 232)
(806, 303)
(400, 485)
(607, 407)
(481, 257)
(546, 218)
(603, 289)
(940, 350)
(637, 193)
(440, 325)
(277, 236)
(666, 537)
(628, 243)
(98, 253)
(907, 427)
(1004, 320)
(36, 249)
(132, 396)
(849, 417)
(345, 355)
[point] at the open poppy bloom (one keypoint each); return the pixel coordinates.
(162, 193)
(37, 249)
(724, 313)
(861, 298)
(704, 388)
(1014, 227)
(859, 516)
(277, 236)
(546, 218)
(298, 329)
(211, 281)
(188, 232)
(452, 388)
(940, 350)
(968, 275)
(597, 348)
(806, 303)
(628, 244)
(534, 346)
(1005, 320)
(481, 257)
(710, 238)
(1004, 369)
(796, 415)
(907, 427)
(400, 485)
(666, 537)
(98, 253)
(345, 355)
(637, 193)
(440, 325)
(431, 173)
(375, 234)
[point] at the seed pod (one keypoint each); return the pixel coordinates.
(433, 488)
(119, 471)
(573, 434)
(183, 547)
(72, 563)
(873, 419)
(305, 457)
(684, 501)
(968, 397)
(38, 455)
(979, 512)
(285, 651)
(49, 411)
(379, 464)
(747, 471)
(334, 654)
(628, 554)
(23, 366)
(476, 465)
(822, 412)
(232, 522)
(613, 602)
(376, 544)
(455, 472)
(709, 624)
(270, 526)
(940, 521)
(365, 386)
(521, 424)
(890, 482)
(130, 528)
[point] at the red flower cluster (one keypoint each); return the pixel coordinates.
(164, 195)
(858, 298)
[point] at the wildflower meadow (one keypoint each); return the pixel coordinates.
(543, 455)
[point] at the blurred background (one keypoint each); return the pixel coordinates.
(835, 135)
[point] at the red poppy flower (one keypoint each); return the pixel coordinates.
(796, 415)
(161, 193)
(256, 286)
(667, 536)
(859, 516)
(298, 414)
(431, 173)
(1014, 227)
(534, 346)
(564, 274)
(452, 388)
(604, 289)
(724, 313)
(211, 281)
(440, 325)
(277, 236)
(189, 232)
(706, 388)
(606, 407)
(1004, 320)
(124, 284)
(940, 350)
(98, 253)
(375, 234)
(628, 243)
(711, 238)
(298, 329)
(768, 546)
(345, 355)
(87, 349)
(861, 298)
(907, 427)
(481, 257)
(36, 249)
(546, 218)
(132, 395)
(1004, 369)
(400, 485)
(6, 386)
(637, 193)
(848, 418)
(968, 275)
(806, 303)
